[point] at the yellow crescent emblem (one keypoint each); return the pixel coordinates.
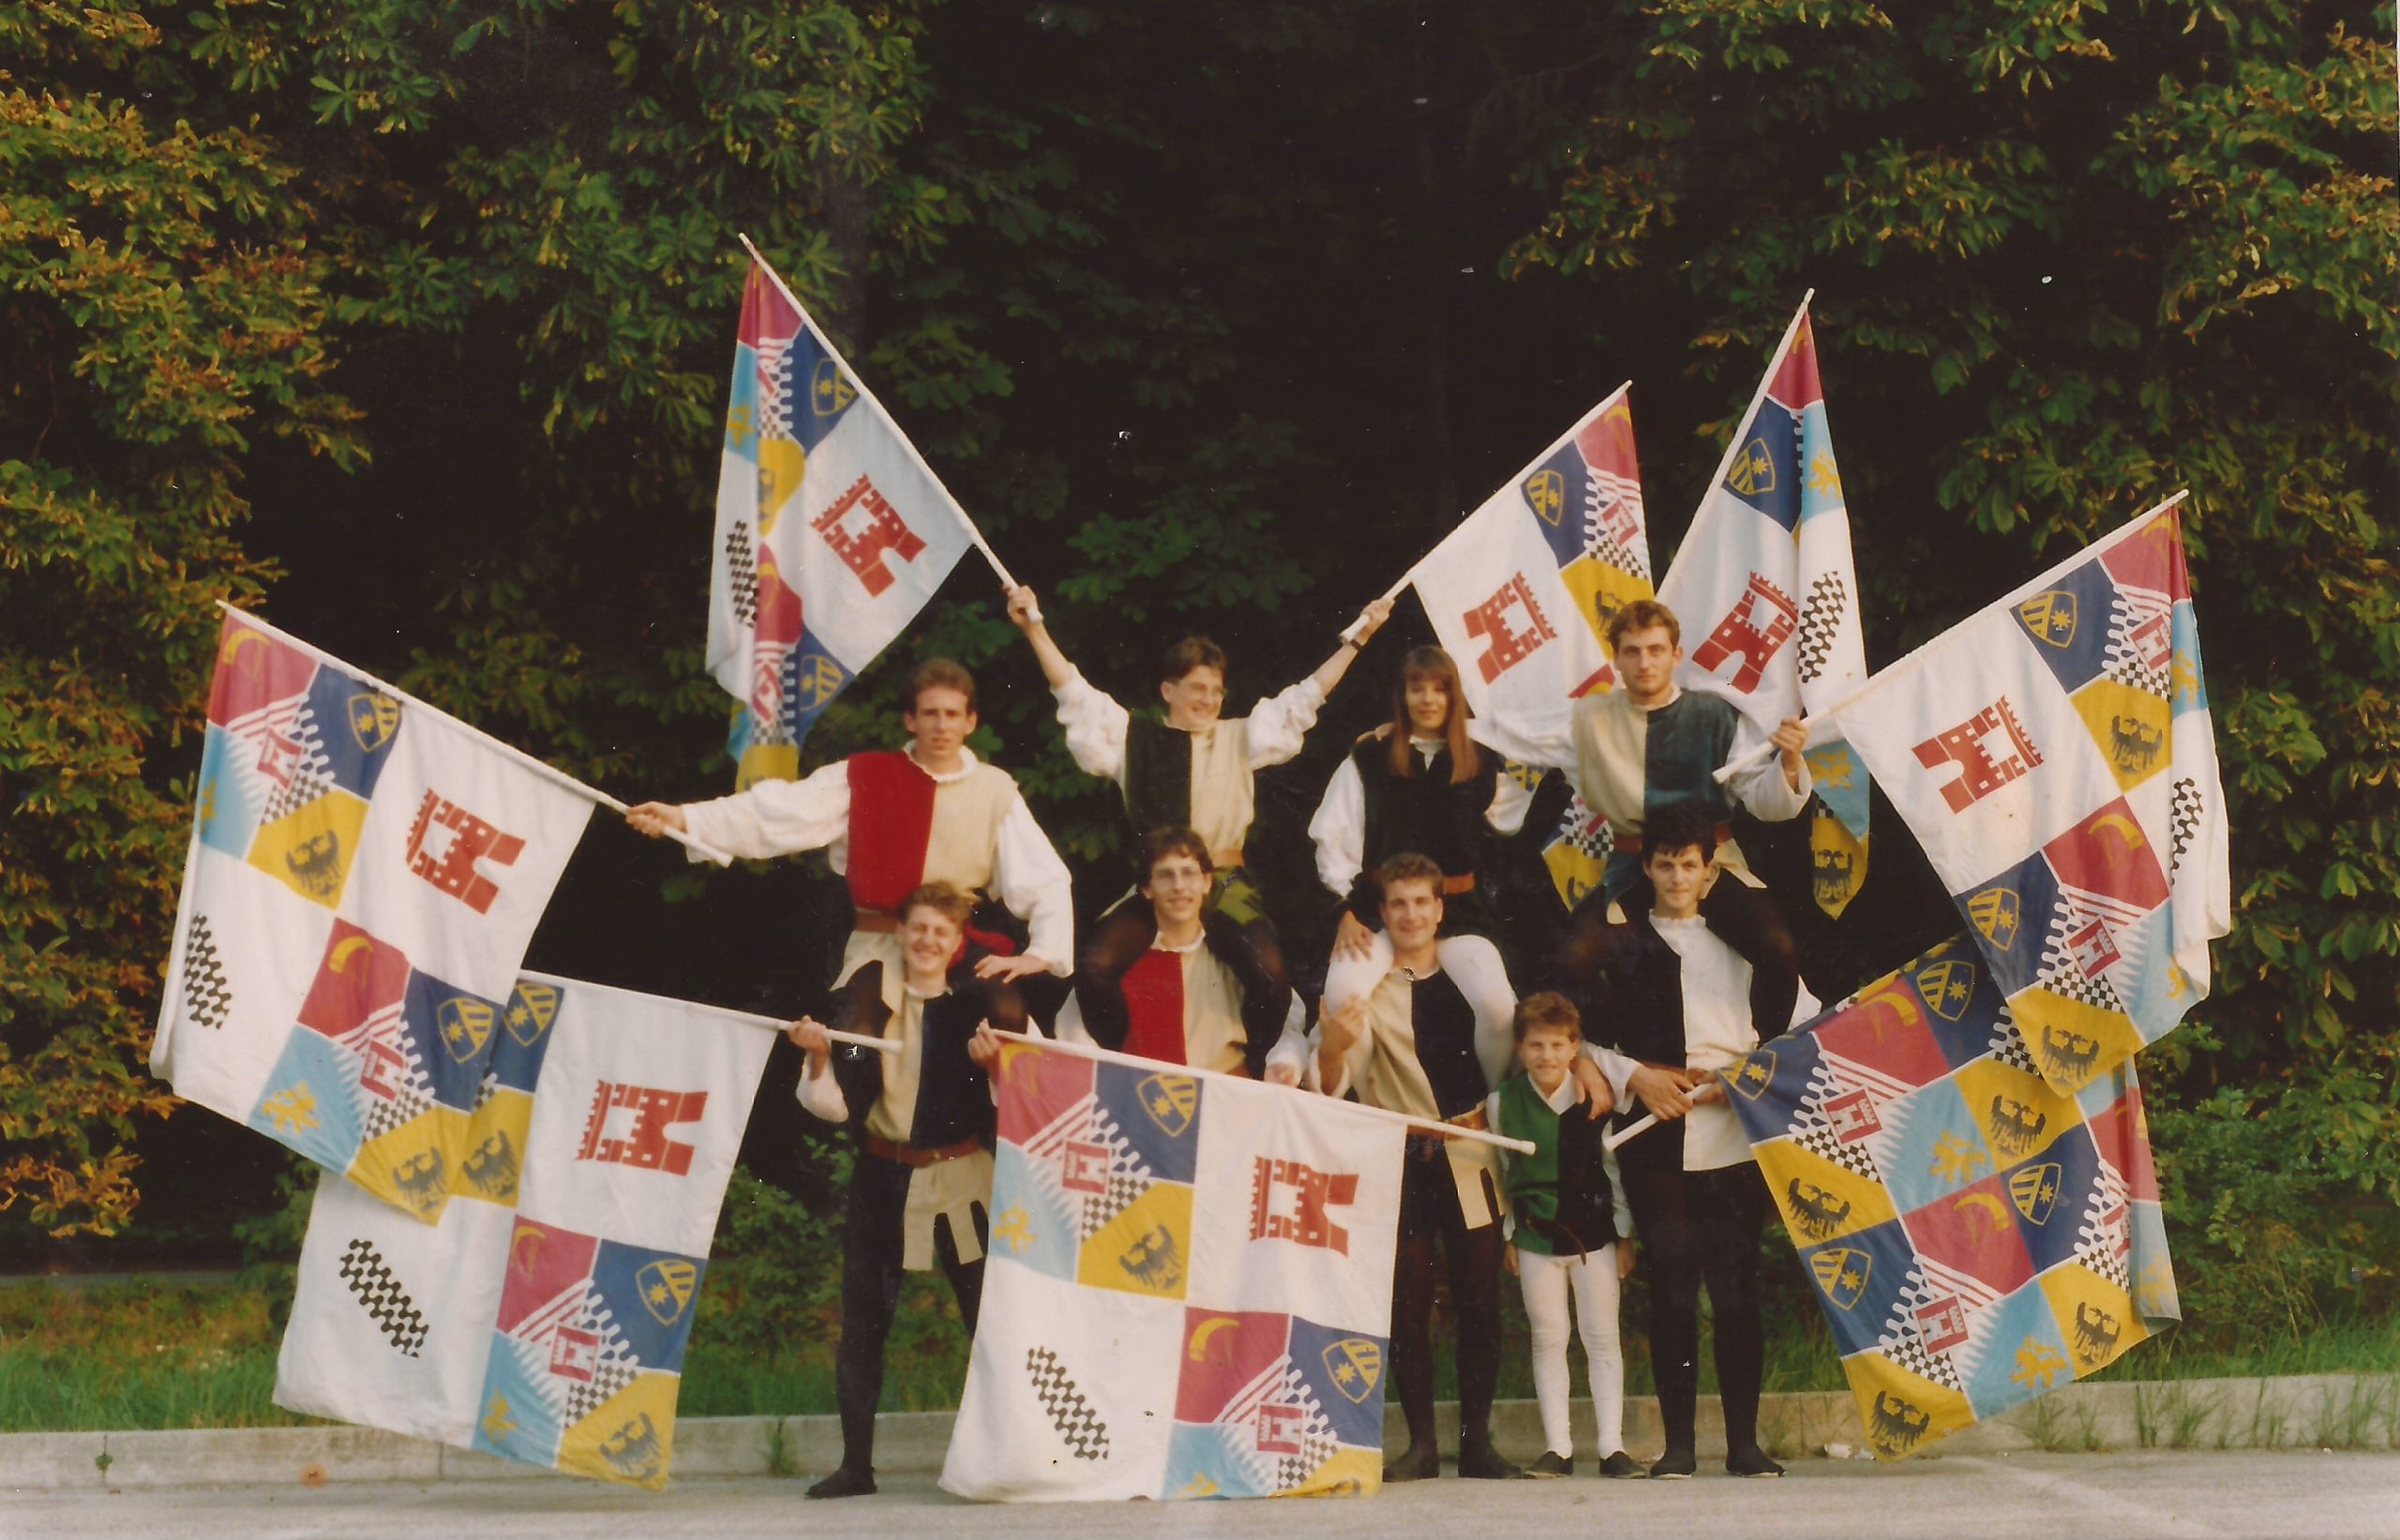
(234, 643)
(1206, 1330)
(351, 947)
(1975, 1203)
(517, 1262)
(2127, 829)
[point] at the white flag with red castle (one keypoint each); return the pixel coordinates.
(2055, 755)
(1189, 1287)
(544, 1317)
(364, 874)
(1768, 595)
(1522, 591)
(832, 531)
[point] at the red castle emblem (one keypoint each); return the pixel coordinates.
(1969, 746)
(644, 1144)
(447, 841)
(861, 546)
(1512, 643)
(1755, 629)
(1301, 1216)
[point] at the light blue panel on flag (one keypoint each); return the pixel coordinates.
(1033, 1223)
(2146, 979)
(2190, 689)
(1344, 1371)
(2051, 1195)
(1846, 795)
(1820, 477)
(1202, 1461)
(1159, 1115)
(2019, 1353)
(229, 815)
(307, 1103)
(741, 410)
(649, 1294)
(1929, 1147)
(2154, 1291)
(513, 1421)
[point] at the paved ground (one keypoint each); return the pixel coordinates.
(2151, 1496)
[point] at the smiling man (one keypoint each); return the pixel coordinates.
(892, 821)
(1198, 997)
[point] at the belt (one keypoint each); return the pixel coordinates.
(1472, 1118)
(1453, 886)
(1630, 844)
(1224, 859)
(875, 921)
(909, 1155)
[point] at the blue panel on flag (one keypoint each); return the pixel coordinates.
(1859, 1277)
(650, 1296)
(811, 677)
(1962, 1004)
(1034, 1224)
(524, 1036)
(1158, 1114)
(1206, 1459)
(514, 1419)
(452, 1032)
(2026, 1353)
(1820, 477)
(355, 724)
(818, 389)
(307, 1102)
(1765, 470)
(1344, 1371)
(2068, 624)
(2189, 691)
(2050, 1192)
(1929, 1148)
(227, 814)
(1557, 493)
(742, 411)
(2011, 914)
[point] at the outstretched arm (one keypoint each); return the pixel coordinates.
(1371, 620)
(1024, 613)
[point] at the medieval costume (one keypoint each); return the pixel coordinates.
(1207, 1004)
(1371, 813)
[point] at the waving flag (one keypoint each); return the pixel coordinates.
(364, 874)
(543, 1318)
(1766, 590)
(831, 533)
(1522, 591)
(1190, 1288)
(2055, 756)
(1976, 1237)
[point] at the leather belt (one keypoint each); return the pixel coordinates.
(1630, 844)
(875, 921)
(1453, 886)
(1472, 1118)
(909, 1155)
(1225, 860)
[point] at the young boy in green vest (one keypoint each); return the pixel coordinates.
(1567, 1219)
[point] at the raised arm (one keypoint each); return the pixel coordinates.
(1024, 613)
(1371, 620)
(1777, 787)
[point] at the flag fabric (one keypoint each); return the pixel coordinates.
(1768, 597)
(830, 532)
(543, 1318)
(1190, 1288)
(364, 876)
(1522, 591)
(2055, 757)
(1976, 1237)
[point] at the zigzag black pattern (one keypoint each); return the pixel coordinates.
(364, 1270)
(744, 571)
(2183, 821)
(1069, 1414)
(1820, 619)
(206, 998)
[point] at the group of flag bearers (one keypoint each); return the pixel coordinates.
(1419, 1014)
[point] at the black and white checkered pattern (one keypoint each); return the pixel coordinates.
(1904, 1345)
(1819, 622)
(1813, 1131)
(1084, 1434)
(2119, 658)
(1317, 1442)
(207, 999)
(1128, 1177)
(395, 1314)
(1601, 488)
(1578, 828)
(2185, 809)
(2007, 1044)
(743, 569)
(2104, 1235)
(311, 775)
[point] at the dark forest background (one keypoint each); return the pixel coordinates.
(408, 322)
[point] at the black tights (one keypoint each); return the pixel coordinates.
(1430, 1215)
(1696, 1227)
(1744, 917)
(873, 1237)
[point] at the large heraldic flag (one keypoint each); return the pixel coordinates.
(1522, 591)
(1764, 587)
(830, 532)
(1976, 1237)
(1190, 1288)
(2055, 757)
(543, 1318)
(364, 874)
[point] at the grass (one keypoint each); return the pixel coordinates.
(156, 1354)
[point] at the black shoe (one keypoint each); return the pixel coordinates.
(1675, 1465)
(1620, 1467)
(1480, 1462)
(1552, 1463)
(848, 1481)
(1750, 1461)
(1422, 1462)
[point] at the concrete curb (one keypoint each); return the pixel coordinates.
(2348, 1411)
